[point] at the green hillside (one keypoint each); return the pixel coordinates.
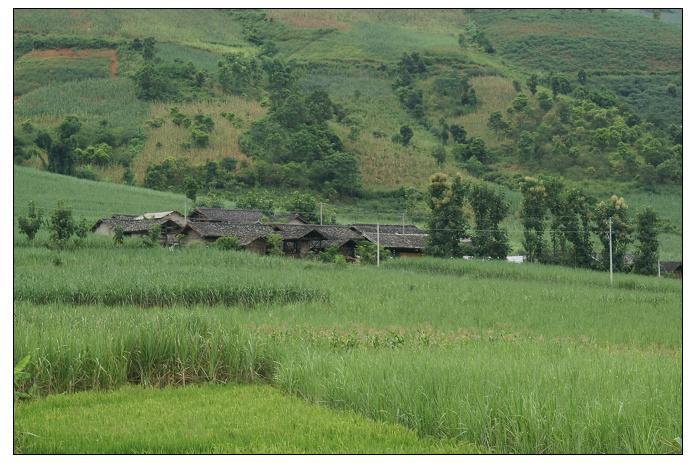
(617, 130)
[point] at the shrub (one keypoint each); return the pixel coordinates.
(62, 225)
(275, 244)
(228, 243)
(31, 223)
(118, 235)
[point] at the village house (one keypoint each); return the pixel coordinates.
(251, 236)
(400, 240)
(298, 240)
(674, 268)
(216, 214)
(343, 237)
(138, 225)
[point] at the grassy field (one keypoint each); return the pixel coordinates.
(35, 70)
(569, 40)
(529, 358)
(209, 419)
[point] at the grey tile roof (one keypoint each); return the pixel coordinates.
(226, 215)
(297, 231)
(409, 229)
(129, 224)
(244, 232)
(395, 240)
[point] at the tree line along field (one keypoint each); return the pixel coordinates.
(425, 355)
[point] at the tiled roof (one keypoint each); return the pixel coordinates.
(244, 232)
(226, 215)
(296, 231)
(408, 229)
(395, 240)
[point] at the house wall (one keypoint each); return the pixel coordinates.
(408, 253)
(104, 229)
(258, 246)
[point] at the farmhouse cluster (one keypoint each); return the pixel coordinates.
(252, 229)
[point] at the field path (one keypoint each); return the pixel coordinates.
(69, 52)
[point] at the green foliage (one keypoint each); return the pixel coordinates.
(304, 204)
(532, 213)
(274, 245)
(489, 209)
(228, 243)
(616, 210)
(646, 233)
(20, 375)
(151, 239)
(474, 148)
(99, 154)
(439, 155)
(240, 75)
(61, 225)
(118, 235)
(405, 135)
(366, 252)
(532, 83)
(30, 223)
(447, 225)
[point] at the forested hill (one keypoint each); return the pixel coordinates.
(349, 104)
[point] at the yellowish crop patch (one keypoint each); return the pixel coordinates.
(172, 141)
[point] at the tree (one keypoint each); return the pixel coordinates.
(366, 252)
(152, 84)
(475, 148)
(148, 48)
(497, 123)
(520, 103)
(118, 235)
(31, 223)
(191, 188)
(647, 256)
(447, 223)
(532, 83)
(581, 76)
(614, 209)
(517, 86)
(274, 244)
(533, 209)
(406, 135)
(151, 239)
(526, 145)
(544, 101)
(576, 225)
(458, 133)
(61, 225)
(489, 209)
(128, 176)
(82, 228)
(304, 204)
(439, 155)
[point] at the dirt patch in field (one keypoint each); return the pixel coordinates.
(309, 19)
(71, 53)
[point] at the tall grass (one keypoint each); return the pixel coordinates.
(113, 100)
(511, 395)
(33, 72)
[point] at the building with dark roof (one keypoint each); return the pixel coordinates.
(216, 214)
(251, 236)
(400, 240)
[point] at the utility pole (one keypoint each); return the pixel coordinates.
(321, 213)
(610, 245)
(377, 244)
(658, 265)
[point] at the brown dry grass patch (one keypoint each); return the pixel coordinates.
(71, 53)
(309, 19)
